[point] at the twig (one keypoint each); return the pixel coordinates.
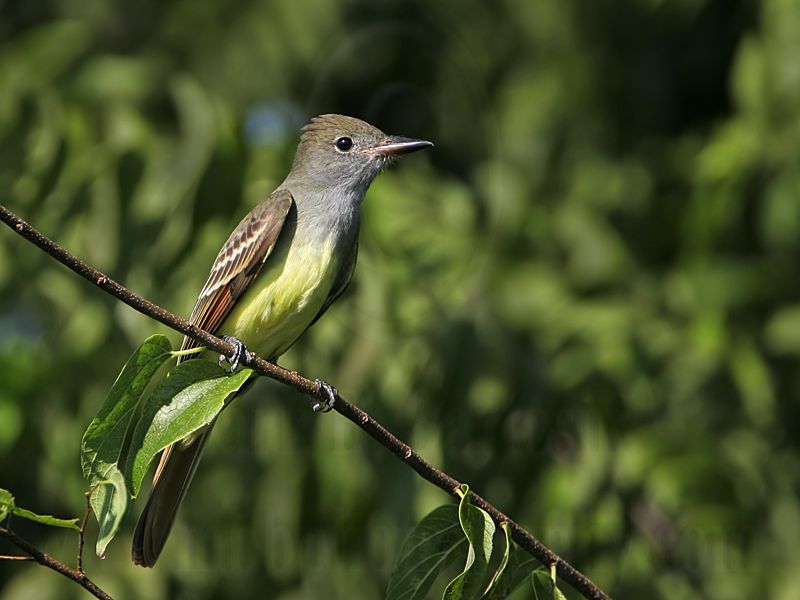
(82, 532)
(52, 563)
(542, 553)
(15, 557)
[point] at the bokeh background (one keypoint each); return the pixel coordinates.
(584, 302)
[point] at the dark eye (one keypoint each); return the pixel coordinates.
(344, 144)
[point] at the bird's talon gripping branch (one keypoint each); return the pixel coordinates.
(330, 393)
(239, 353)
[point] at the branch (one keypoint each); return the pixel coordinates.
(315, 390)
(51, 563)
(82, 531)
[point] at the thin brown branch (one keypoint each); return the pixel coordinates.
(82, 532)
(566, 572)
(15, 557)
(54, 564)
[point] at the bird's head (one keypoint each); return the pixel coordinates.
(345, 152)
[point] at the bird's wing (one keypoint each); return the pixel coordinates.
(343, 278)
(239, 262)
(236, 266)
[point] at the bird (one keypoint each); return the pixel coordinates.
(287, 261)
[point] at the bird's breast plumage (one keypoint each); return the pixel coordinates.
(286, 296)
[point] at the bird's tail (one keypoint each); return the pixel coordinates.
(175, 471)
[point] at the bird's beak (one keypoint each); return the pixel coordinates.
(396, 145)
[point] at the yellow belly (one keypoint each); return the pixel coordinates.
(285, 297)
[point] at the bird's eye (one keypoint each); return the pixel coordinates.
(344, 144)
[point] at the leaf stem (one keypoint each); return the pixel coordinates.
(188, 351)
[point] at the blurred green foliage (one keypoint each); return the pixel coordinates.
(584, 302)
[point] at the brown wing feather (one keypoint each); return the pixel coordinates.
(236, 266)
(239, 262)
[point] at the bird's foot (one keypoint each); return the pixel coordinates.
(330, 392)
(240, 352)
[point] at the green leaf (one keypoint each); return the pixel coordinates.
(430, 546)
(498, 574)
(515, 566)
(111, 439)
(109, 501)
(8, 506)
(47, 519)
(103, 443)
(478, 528)
(187, 399)
(544, 585)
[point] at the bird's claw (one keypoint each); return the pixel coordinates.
(240, 352)
(330, 392)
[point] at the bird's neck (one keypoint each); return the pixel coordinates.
(326, 212)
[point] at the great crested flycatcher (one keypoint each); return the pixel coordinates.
(285, 263)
